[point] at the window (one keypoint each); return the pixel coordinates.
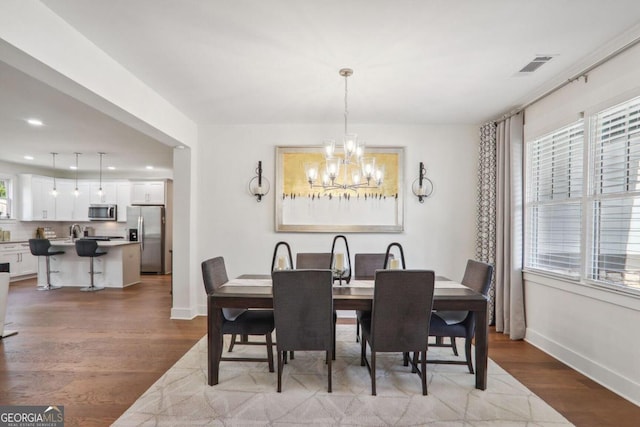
(563, 215)
(614, 199)
(6, 192)
(553, 201)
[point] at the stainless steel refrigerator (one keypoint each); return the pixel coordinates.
(146, 224)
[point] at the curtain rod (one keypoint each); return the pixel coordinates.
(576, 77)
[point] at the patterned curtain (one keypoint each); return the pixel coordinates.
(487, 196)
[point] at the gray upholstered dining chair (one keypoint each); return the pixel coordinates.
(303, 310)
(399, 322)
(275, 261)
(315, 261)
(243, 322)
(365, 267)
(452, 324)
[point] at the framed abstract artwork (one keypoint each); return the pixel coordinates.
(344, 196)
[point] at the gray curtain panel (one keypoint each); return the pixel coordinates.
(509, 290)
(486, 219)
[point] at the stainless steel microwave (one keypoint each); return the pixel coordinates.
(103, 212)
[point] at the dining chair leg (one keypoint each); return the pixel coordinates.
(357, 330)
(281, 359)
(269, 351)
(232, 343)
(453, 345)
(333, 352)
(373, 373)
(405, 358)
(329, 371)
(414, 365)
(363, 348)
(423, 371)
(467, 352)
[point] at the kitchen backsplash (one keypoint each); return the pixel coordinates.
(21, 231)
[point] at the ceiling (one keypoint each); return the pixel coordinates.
(255, 61)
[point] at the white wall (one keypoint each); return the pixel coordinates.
(439, 234)
(592, 329)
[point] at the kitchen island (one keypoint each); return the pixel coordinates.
(119, 268)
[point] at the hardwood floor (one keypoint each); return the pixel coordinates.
(93, 352)
(96, 353)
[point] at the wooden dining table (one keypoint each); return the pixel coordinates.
(254, 291)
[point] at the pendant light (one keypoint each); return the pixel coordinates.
(54, 192)
(100, 192)
(76, 192)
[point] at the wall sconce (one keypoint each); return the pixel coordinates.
(259, 185)
(422, 187)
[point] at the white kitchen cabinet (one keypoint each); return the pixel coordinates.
(18, 255)
(65, 200)
(123, 191)
(38, 204)
(147, 193)
(68, 206)
(109, 193)
(82, 202)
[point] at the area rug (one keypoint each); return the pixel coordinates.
(246, 394)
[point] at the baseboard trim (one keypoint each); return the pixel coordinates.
(182, 314)
(595, 371)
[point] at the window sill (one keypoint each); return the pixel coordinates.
(629, 298)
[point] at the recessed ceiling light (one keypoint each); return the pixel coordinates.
(149, 167)
(28, 157)
(111, 168)
(35, 122)
(180, 147)
(73, 167)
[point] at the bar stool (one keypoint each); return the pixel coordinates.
(89, 248)
(41, 247)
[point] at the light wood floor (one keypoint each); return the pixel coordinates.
(96, 353)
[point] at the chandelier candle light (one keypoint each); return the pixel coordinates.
(351, 170)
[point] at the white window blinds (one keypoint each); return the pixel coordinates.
(553, 201)
(614, 199)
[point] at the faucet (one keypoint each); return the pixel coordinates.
(75, 231)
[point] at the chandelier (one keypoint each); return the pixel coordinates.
(350, 170)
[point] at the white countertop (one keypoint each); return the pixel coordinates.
(104, 243)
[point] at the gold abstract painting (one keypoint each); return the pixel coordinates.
(336, 205)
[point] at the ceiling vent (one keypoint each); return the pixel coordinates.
(537, 62)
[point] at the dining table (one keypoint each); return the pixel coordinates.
(254, 291)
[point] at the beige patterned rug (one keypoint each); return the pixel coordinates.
(246, 395)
